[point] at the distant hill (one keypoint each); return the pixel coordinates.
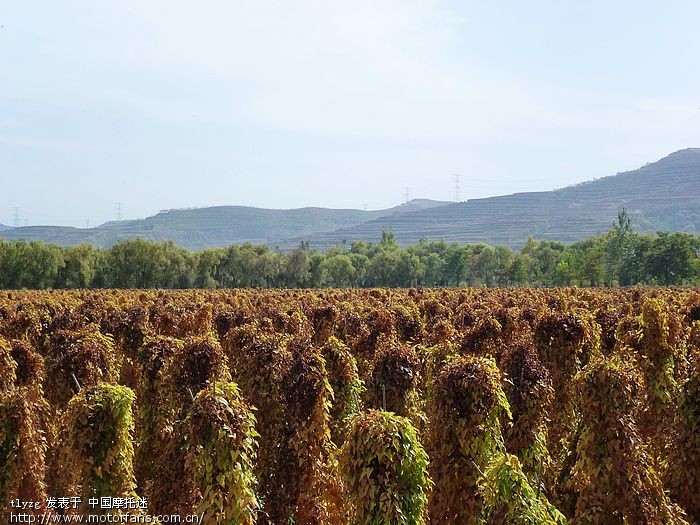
(215, 226)
(663, 196)
(3, 227)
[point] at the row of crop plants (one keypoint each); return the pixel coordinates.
(356, 407)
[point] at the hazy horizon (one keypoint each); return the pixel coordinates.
(164, 105)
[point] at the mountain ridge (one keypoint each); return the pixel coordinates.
(215, 226)
(662, 195)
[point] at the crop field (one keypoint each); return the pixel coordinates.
(381, 406)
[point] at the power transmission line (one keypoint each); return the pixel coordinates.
(457, 186)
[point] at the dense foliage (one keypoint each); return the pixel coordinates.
(617, 257)
(385, 467)
(338, 407)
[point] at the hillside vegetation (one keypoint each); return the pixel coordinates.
(621, 256)
(199, 228)
(663, 196)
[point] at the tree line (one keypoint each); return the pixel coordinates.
(620, 256)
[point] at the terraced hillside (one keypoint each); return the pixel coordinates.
(215, 226)
(663, 196)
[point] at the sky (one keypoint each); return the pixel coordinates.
(120, 109)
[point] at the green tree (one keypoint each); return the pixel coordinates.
(382, 268)
(587, 260)
(359, 247)
(518, 273)
(503, 258)
(267, 270)
(434, 269)
(316, 270)
(133, 263)
(563, 274)
(360, 262)
(79, 268)
(632, 265)
(206, 265)
(296, 268)
(138, 263)
(670, 258)
(618, 246)
(42, 263)
(176, 266)
(547, 255)
(456, 260)
(339, 271)
(530, 261)
(388, 241)
(237, 266)
(408, 270)
(482, 265)
(32, 264)
(11, 265)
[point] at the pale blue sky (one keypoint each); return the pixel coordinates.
(164, 104)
